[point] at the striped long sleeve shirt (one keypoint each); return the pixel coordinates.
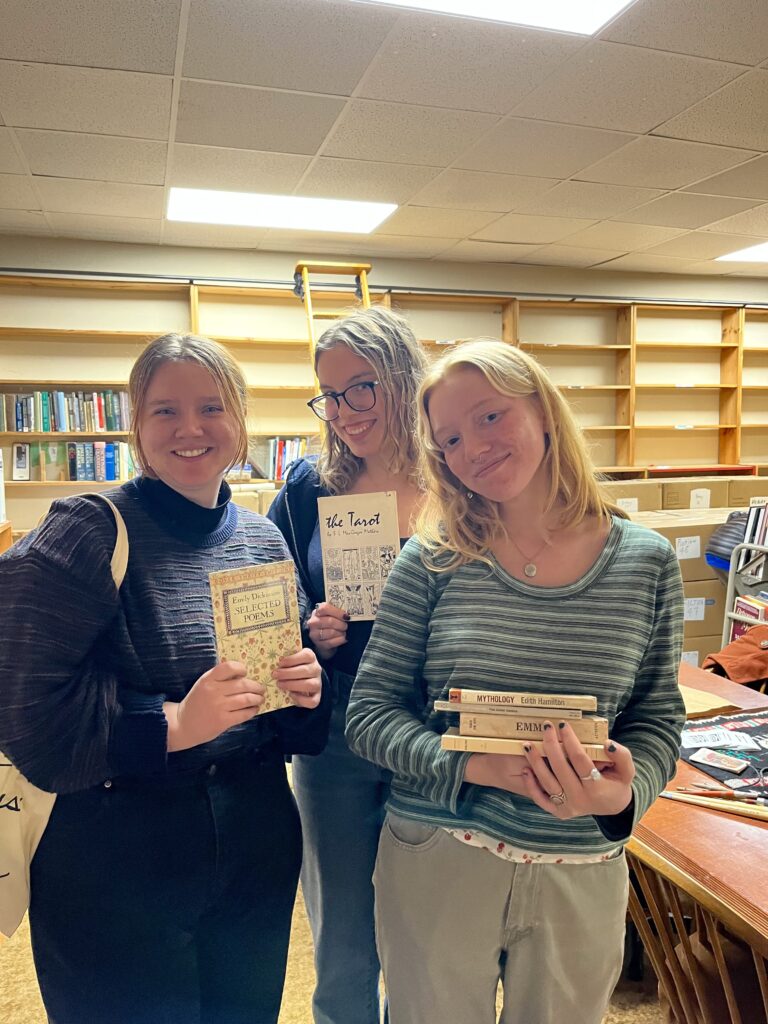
(615, 633)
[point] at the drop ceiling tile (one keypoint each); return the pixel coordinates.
(400, 133)
(215, 236)
(108, 229)
(684, 210)
(702, 245)
(464, 64)
(301, 45)
(356, 246)
(23, 222)
(517, 228)
(749, 181)
(101, 198)
(618, 235)
(75, 155)
(720, 29)
(652, 162)
(431, 222)
(367, 180)
(711, 268)
(487, 252)
(16, 193)
(135, 36)
(236, 117)
(478, 190)
(235, 170)
(586, 199)
(517, 146)
(85, 100)
(607, 85)
(750, 222)
(734, 116)
(9, 158)
(566, 256)
(641, 262)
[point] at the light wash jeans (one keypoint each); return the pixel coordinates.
(341, 800)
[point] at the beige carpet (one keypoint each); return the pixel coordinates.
(20, 999)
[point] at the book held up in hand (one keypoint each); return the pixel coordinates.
(256, 616)
(360, 540)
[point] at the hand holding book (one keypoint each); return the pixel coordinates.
(300, 677)
(327, 626)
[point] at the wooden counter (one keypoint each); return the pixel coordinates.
(5, 536)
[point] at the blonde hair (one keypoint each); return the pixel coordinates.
(386, 341)
(176, 348)
(462, 527)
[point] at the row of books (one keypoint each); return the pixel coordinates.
(280, 453)
(751, 607)
(72, 460)
(504, 722)
(755, 533)
(69, 411)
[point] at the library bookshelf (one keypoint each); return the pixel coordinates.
(659, 388)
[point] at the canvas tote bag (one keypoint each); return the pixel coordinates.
(25, 809)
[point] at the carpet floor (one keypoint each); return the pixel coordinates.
(20, 998)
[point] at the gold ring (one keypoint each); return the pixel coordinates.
(558, 798)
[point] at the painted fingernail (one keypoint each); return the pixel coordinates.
(611, 748)
(561, 725)
(347, 616)
(527, 748)
(547, 725)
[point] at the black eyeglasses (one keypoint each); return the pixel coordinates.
(359, 397)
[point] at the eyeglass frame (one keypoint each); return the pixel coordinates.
(337, 395)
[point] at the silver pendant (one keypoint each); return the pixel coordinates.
(530, 569)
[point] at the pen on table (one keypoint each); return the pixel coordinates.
(726, 794)
(741, 807)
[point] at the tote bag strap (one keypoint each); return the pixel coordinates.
(119, 561)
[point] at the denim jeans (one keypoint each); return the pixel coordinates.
(341, 800)
(168, 902)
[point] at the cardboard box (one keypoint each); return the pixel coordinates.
(634, 495)
(688, 532)
(704, 610)
(695, 493)
(696, 648)
(742, 489)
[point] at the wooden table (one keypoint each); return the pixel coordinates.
(683, 854)
(6, 538)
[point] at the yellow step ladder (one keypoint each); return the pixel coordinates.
(302, 288)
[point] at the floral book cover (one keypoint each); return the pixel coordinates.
(256, 615)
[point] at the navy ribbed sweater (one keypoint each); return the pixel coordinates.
(84, 671)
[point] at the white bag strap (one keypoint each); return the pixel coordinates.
(119, 561)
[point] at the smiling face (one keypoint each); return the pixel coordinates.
(188, 437)
(493, 443)
(363, 432)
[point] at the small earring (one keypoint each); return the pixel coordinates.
(470, 495)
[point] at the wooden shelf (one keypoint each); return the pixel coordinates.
(605, 427)
(594, 387)
(684, 427)
(681, 387)
(73, 334)
(281, 391)
(564, 346)
(63, 385)
(60, 435)
(264, 342)
(681, 346)
(64, 483)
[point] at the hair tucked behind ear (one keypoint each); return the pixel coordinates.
(459, 528)
(386, 341)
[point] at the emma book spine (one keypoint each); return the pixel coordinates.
(451, 740)
(512, 698)
(588, 729)
(256, 618)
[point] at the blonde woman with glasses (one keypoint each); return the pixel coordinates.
(501, 868)
(369, 366)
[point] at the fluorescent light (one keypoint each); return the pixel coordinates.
(255, 210)
(754, 254)
(583, 16)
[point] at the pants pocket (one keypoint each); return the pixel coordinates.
(411, 835)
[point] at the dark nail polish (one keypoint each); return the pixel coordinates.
(547, 725)
(561, 725)
(527, 748)
(347, 616)
(611, 748)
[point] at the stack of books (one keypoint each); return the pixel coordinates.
(504, 722)
(751, 607)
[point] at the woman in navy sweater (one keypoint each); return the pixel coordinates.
(369, 366)
(163, 886)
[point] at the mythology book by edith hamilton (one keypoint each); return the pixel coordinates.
(256, 615)
(360, 541)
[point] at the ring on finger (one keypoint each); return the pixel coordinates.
(322, 635)
(594, 776)
(558, 798)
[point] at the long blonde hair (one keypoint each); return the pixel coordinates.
(460, 528)
(175, 348)
(386, 341)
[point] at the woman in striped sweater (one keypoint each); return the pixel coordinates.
(497, 867)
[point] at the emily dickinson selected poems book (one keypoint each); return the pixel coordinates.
(256, 615)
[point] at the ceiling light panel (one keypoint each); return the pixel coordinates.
(753, 254)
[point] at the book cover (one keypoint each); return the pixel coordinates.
(360, 540)
(20, 461)
(72, 460)
(507, 710)
(90, 461)
(53, 456)
(585, 702)
(99, 460)
(589, 729)
(256, 617)
(749, 607)
(451, 740)
(110, 460)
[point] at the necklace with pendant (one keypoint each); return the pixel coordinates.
(529, 568)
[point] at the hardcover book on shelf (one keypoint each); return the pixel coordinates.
(256, 617)
(53, 461)
(21, 462)
(360, 540)
(752, 608)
